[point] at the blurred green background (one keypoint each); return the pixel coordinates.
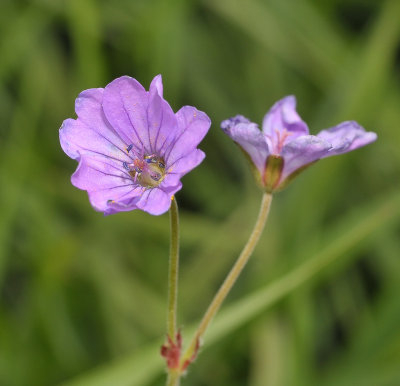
(83, 297)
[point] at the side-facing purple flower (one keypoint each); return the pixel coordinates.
(284, 147)
(131, 147)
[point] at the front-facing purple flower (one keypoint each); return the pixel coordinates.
(284, 147)
(131, 147)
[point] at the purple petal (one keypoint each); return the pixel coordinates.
(77, 140)
(154, 201)
(302, 151)
(125, 103)
(346, 136)
(229, 123)
(283, 116)
(181, 167)
(192, 126)
(116, 207)
(163, 126)
(89, 109)
(157, 85)
(104, 183)
(249, 137)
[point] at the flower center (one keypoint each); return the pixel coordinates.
(148, 171)
(279, 140)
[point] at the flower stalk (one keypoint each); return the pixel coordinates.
(171, 351)
(230, 280)
(173, 378)
(173, 270)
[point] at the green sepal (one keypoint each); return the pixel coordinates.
(272, 173)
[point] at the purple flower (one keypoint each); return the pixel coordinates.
(284, 147)
(131, 147)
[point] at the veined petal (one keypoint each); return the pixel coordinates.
(154, 201)
(104, 183)
(283, 117)
(181, 167)
(249, 137)
(77, 140)
(125, 104)
(346, 136)
(192, 126)
(162, 123)
(89, 109)
(302, 151)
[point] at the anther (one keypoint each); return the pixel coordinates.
(151, 159)
(126, 166)
(129, 148)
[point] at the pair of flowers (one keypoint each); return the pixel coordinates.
(133, 149)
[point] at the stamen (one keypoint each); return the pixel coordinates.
(146, 170)
(281, 136)
(151, 159)
(129, 148)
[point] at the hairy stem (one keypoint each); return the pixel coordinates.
(173, 270)
(230, 279)
(173, 374)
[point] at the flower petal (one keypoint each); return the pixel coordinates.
(89, 109)
(125, 104)
(157, 85)
(163, 126)
(192, 127)
(104, 183)
(346, 136)
(302, 151)
(77, 140)
(154, 201)
(249, 137)
(181, 167)
(283, 116)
